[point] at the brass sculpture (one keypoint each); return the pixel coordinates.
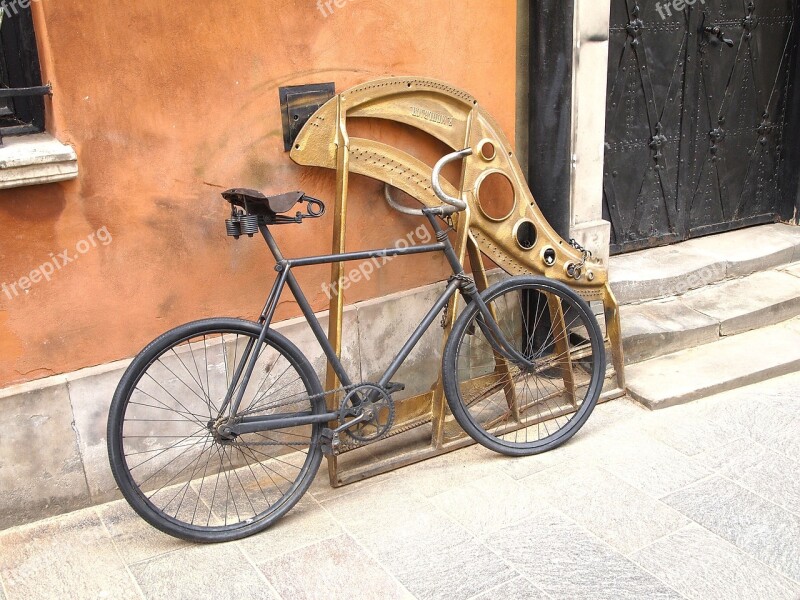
(520, 242)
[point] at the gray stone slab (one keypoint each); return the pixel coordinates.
(724, 365)
(337, 568)
(40, 465)
(623, 516)
(645, 463)
(90, 397)
(740, 305)
(590, 440)
(68, 557)
(426, 550)
(134, 538)
(461, 467)
(298, 331)
(516, 589)
(793, 269)
(751, 250)
(454, 573)
(663, 272)
(758, 527)
(193, 572)
(566, 561)
(486, 505)
(690, 434)
(700, 565)
(306, 524)
(662, 327)
(385, 324)
(759, 469)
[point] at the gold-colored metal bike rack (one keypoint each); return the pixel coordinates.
(424, 428)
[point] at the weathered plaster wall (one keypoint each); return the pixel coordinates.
(169, 103)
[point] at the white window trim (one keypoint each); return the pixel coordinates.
(35, 159)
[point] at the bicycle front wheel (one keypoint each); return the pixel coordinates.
(534, 401)
(166, 453)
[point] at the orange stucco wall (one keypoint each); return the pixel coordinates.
(166, 104)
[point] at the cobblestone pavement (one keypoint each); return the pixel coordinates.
(698, 501)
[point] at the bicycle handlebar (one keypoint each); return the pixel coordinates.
(456, 205)
(459, 204)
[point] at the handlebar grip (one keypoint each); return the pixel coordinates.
(436, 179)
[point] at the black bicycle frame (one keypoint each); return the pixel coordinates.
(284, 267)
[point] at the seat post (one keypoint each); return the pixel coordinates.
(273, 245)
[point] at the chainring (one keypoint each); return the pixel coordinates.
(380, 413)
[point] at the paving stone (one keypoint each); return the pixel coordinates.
(732, 362)
(516, 589)
(67, 557)
(306, 524)
(759, 469)
(740, 305)
(566, 561)
(645, 463)
(135, 539)
(461, 466)
(336, 568)
(393, 520)
(452, 573)
(192, 572)
(590, 439)
(690, 434)
(40, 465)
(755, 525)
(428, 552)
(700, 565)
(664, 326)
(489, 504)
(621, 515)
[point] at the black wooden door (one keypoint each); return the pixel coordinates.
(696, 117)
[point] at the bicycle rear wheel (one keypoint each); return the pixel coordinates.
(167, 457)
(523, 408)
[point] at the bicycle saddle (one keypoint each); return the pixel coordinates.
(274, 205)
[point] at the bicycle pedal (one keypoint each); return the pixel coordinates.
(393, 388)
(329, 442)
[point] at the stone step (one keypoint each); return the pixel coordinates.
(730, 363)
(702, 316)
(674, 270)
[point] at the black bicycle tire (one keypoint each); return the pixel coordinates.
(127, 384)
(450, 379)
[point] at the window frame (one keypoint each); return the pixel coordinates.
(22, 109)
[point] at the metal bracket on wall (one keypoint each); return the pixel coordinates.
(298, 104)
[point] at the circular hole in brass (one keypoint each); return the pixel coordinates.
(496, 196)
(488, 151)
(526, 234)
(549, 257)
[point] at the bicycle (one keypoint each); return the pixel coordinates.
(218, 427)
